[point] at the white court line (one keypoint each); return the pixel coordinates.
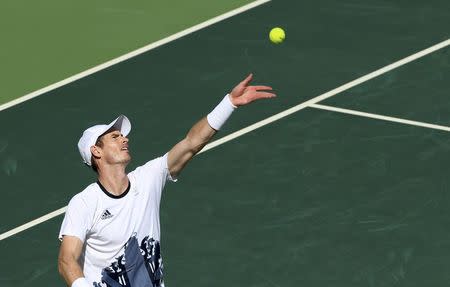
(381, 117)
(33, 223)
(133, 53)
(329, 94)
(282, 114)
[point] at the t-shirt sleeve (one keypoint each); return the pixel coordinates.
(157, 167)
(76, 219)
(165, 168)
(153, 175)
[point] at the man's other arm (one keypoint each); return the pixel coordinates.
(203, 131)
(68, 266)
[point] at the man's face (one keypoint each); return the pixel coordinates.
(114, 148)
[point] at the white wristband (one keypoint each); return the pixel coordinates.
(81, 282)
(221, 113)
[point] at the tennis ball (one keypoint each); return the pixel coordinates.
(277, 35)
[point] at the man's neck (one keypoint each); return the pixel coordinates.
(114, 179)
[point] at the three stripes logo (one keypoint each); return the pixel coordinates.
(106, 214)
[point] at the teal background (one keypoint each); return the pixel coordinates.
(315, 199)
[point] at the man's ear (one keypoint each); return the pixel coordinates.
(95, 151)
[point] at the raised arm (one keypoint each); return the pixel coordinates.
(202, 132)
(68, 265)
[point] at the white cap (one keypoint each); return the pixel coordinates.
(90, 136)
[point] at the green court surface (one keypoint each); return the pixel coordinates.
(416, 91)
(317, 198)
(44, 42)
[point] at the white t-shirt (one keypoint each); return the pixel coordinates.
(105, 223)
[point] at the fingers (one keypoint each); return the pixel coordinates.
(260, 95)
(251, 96)
(261, 88)
(247, 80)
(264, 95)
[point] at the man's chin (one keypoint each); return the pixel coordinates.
(125, 160)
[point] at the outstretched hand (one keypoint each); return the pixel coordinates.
(244, 94)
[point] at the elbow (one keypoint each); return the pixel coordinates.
(62, 265)
(66, 270)
(195, 145)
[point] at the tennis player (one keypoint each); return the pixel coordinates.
(110, 235)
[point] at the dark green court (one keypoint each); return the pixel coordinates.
(314, 199)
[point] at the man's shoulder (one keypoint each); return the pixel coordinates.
(156, 164)
(88, 195)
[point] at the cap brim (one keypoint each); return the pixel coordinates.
(122, 123)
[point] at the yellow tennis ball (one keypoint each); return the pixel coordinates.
(277, 35)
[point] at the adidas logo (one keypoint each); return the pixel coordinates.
(106, 214)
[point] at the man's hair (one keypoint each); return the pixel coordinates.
(98, 143)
